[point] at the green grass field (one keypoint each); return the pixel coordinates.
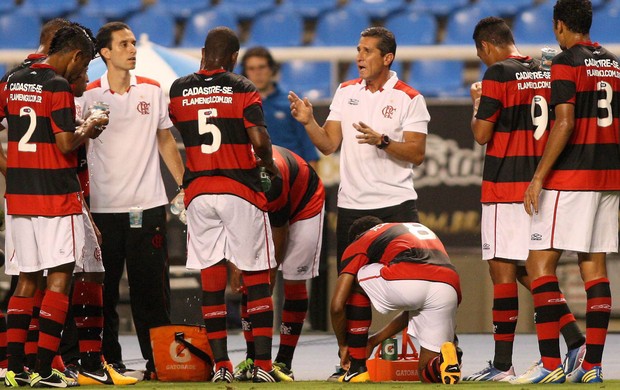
(323, 385)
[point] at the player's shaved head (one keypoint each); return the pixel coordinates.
(494, 31)
(221, 45)
(49, 30)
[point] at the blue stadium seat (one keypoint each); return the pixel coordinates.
(437, 7)
(113, 9)
(3, 69)
(281, 27)
(378, 9)
(7, 6)
(312, 9)
(47, 9)
(534, 26)
(183, 9)
(605, 24)
(248, 9)
(199, 25)
(92, 21)
(507, 8)
(438, 78)
(158, 24)
(19, 30)
(340, 28)
(306, 78)
(353, 73)
(461, 24)
(413, 28)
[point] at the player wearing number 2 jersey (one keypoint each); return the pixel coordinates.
(573, 196)
(221, 121)
(511, 116)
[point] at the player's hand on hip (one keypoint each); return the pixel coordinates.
(300, 109)
(532, 196)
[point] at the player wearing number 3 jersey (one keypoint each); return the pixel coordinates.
(221, 121)
(511, 116)
(573, 196)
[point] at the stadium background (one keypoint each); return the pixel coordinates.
(315, 42)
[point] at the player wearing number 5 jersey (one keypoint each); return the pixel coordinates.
(511, 116)
(573, 196)
(220, 118)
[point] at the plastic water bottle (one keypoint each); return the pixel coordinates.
(178, 206)
(265, 181)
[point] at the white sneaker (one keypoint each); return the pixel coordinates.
(491, 374)
(537, 373)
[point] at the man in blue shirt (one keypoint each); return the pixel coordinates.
(260, 68)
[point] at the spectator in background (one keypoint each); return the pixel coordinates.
(296, 208)
(512, 118)
(573, 196)
(260, 68)
(380, 125)
(219, 116)
(125, 173)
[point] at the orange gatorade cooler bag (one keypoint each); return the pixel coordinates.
(181, 353)
(389, 365)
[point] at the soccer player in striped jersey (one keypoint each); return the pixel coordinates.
(296, 204)
(220, 118)
(396, 267)
(43, 195)
(573, 196)
(511, 117)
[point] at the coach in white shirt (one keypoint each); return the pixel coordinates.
(124, 174)
(380, 124)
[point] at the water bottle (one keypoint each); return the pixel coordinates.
(177, 206)
(265, 181)
(98, 108)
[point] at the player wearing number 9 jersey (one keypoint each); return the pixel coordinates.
(573, 197)
(511, 116)
(220, 118)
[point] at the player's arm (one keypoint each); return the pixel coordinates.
(397, 324)
(68, 141)
(2, 157)
(280, 240)
(558, 138)
(344, 287)
(169, 152)
(327, 138)
(262, 148)
(411, 149)
(483, 130)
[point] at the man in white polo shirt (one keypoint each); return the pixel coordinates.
(125, 176)
(380, 124)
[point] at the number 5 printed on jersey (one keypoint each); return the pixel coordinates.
(204, 127)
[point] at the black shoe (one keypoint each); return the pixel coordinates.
(334, 377)
(262, 376)
(222, 375)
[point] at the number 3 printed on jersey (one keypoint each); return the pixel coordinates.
(23, 145)
(204, 127)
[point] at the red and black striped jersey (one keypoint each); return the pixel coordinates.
(588, 76)
(298, 194)
(31, 59)
(515, 97)
(41, 180)
(212, 110)
(409, 251)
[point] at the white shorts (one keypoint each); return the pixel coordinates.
(303, 249)
(580, 221)
(91, 255)
(431, 305)
(228, 227)
(505, 230)
(40, 243)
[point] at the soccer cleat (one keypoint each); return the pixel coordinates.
(222, 375)
(537, 373)
(491, 374)
(336, 375)
(12, 379)
(449, 364)
(283, 372)
(104, 375)
(573, 359)
(361, 375)
(55, 379)
(261, 375)
(580, 375)
(244, 370)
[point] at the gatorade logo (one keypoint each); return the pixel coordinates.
(179, 353)
(388, 349)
